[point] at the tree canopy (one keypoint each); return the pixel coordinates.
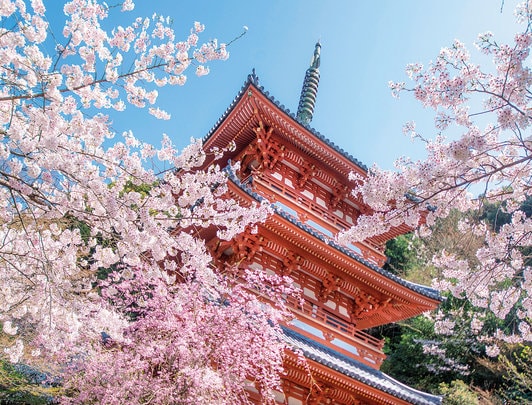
(479, 156)
(105, 282)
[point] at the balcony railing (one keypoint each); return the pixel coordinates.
(311, 209)
(336, 332)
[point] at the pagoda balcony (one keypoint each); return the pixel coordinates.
(334, 332)
(312, 212)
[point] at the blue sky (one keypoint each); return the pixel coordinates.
(364, 45)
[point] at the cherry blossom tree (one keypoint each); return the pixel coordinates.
(190, 343)
(481, 154)
(103, 271)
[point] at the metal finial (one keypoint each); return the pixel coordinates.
(315, 61)
(309, 91)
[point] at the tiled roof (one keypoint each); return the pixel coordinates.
(421, 289)
(253, 79)
(356, 370)
(426, 291)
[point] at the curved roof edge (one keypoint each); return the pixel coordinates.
(420, 289)
(253, 80)
(356, 370)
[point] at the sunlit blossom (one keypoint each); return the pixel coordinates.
(9, 328)
(487, 151)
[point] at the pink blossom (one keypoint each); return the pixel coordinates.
(198, 27)
(9, 328)
(492, 350)
(15, 351)
(160, 114)
(128, 5)
(488, 150)
(81, 198)
(202, 70)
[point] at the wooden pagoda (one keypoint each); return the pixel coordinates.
(345, 289)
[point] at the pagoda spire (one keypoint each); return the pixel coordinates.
(310, 88)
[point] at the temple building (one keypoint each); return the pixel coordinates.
(345, 290)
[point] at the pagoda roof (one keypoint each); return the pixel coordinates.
(418, 288)
(254, 106)
(356, 370)
(253, 82)
(421, 289)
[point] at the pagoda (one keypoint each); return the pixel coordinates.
(344, 288)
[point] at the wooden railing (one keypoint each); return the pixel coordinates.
(368, 348)
(318, 314)
(304, 201)
(304, 204)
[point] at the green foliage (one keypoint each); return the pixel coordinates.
(495, 213)
(20, 384)
(402, 254)
(405, 360)
(496, 216)
(458, 393)
(507, 379)
(404, 348)
(83, 227)
(143, 189)
(450, 358)
(516, 366)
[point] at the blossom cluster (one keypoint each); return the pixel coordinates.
(489, 108)
(101, 261)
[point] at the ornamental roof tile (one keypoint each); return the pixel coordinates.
(356, 370)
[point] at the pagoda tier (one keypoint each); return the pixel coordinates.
(263, 130)
(334, 279)
(344, 288)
